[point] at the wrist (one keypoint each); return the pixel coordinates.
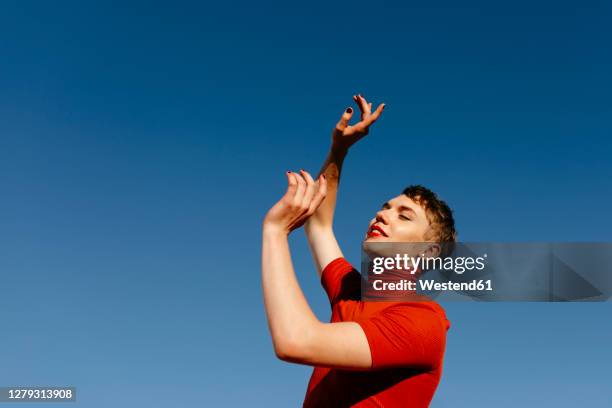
(316, 229)
(271, 230)
(339, 149)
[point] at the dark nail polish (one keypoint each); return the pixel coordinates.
(349, 110)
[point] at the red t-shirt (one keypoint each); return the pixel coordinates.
(407, 342)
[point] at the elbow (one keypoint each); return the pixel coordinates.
(294, 343)
(288, 349)
(282, 354)
(295, 346)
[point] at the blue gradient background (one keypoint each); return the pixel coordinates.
(142, 143)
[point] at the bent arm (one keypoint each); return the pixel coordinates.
(297, 335)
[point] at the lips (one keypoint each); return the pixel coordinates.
(376, 231)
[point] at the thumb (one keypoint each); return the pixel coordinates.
(344, 120)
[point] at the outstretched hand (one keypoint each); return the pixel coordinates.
(345, 135)
(301, 200)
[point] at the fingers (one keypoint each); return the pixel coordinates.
(320, 196)
(316, 193)
(377, 113)
(292, 188)
(344, 119)
(295, 213)
(291, 185)
(361, 103)
(299, 193)
(304, 192)
(311, 189)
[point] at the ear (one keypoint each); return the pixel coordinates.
(433, 250)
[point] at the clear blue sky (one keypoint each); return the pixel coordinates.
(142, 143)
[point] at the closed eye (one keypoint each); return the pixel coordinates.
(403, 217)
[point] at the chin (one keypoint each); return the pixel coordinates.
(378, 246)
(375, 239)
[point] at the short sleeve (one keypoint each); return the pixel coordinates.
(406, 335)
(340, 280)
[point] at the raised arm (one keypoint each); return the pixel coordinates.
(297, 335)
(319, 227)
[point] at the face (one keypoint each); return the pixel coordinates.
(399, 220)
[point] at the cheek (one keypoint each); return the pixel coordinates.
(408, 232)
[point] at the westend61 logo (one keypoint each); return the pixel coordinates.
(413, 264)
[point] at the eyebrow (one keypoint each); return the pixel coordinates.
(401, 208)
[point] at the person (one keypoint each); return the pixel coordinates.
(370, 354)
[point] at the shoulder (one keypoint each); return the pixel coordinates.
(341, 280)
(337, 265)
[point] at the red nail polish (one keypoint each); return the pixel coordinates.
(349, 110)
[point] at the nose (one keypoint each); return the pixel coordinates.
(381, 216)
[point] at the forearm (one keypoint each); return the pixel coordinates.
(331, 169)
(344, 136)
(290, 318)
(321, 239)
